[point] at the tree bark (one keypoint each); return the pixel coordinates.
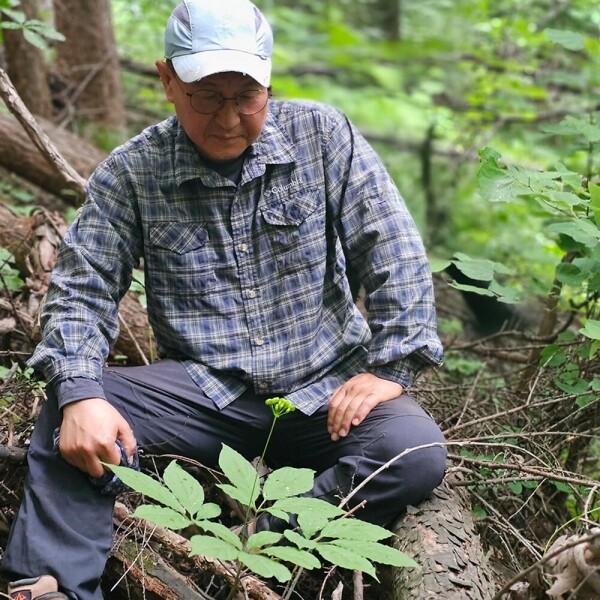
(440, 536)
(19, 155)
(89, 60)
(26, 67)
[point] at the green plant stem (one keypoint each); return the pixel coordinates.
(236, 583)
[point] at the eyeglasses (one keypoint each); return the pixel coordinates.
(248, 102)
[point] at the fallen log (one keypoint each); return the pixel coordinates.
(440, 535)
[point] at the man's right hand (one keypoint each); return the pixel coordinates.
(88, 433)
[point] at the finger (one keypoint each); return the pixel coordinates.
(127, 439)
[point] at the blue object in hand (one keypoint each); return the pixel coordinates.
(108, 484)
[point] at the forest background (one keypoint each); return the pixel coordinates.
(487, 115)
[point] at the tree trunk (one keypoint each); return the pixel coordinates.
(26, 67)
(88, 59)
(19, 155)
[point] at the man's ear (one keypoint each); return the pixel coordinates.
(167, 78)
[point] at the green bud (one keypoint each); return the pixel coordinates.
(280, 406)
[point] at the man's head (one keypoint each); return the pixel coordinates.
(204, 37)
(217, 73)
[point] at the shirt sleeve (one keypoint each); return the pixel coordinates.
(79, 316)
(382, 246)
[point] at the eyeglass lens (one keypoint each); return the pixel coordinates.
(246, 103)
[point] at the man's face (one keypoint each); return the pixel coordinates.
(222, 135)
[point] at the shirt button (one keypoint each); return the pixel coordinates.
(243, 247)
(263, 385)
(251, 294)
(259, 341)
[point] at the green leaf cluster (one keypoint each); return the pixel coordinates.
(36, 32)
(325, 532)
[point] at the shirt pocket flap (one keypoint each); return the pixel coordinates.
(290, 211)
(178, 237)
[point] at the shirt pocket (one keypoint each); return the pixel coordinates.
(180, 259)
(295, 227)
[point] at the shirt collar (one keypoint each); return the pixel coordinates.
(271, 147)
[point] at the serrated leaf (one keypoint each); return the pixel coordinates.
(146, 485)
(265, 566)
(379, 553)
(214, 547)
(162, 516)
(302, 505)
(262, 539)
(287, 482)
(185, 488)
(241, 475)
(210, 510)
(222, 532)
(347, 559)
(354, 529)
(299, 540)
(302, 558)
(242, 495)
(313, 513)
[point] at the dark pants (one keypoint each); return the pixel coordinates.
(64, 526)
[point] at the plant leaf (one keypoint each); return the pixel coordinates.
(146, 485)
(263, 538)
(591, 329)
(214, 547)
(354, 529)
(185, 488)
(347, 559)
(222, 532)
(162, 516)
(302, 558)
(265, 566)
(379, 553)
(241, 475)
(286, 482)
(210, 510)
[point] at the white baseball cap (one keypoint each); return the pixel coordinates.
(204, 37)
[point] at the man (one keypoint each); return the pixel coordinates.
(246, 214)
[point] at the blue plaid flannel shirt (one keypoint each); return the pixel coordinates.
(246, 284)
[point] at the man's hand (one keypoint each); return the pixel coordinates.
(88, 433)
(355, 399)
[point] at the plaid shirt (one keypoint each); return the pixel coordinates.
(246, 284)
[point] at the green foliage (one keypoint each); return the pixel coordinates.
(569, 203)
(325, 532)
(36, 32)
(10, 279)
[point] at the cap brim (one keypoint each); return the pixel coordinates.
(193, 67)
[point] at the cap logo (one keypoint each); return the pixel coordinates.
(21, 595)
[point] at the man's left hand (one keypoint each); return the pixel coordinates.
(355, 399)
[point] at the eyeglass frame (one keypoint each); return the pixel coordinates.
(223, 98)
